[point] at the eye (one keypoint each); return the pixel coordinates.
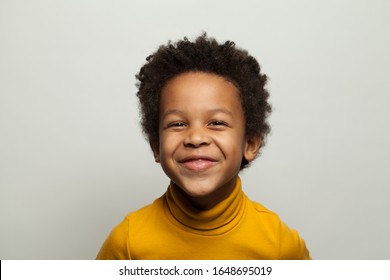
(217, 123)
(176, 124)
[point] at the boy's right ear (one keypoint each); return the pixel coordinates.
(156, 151)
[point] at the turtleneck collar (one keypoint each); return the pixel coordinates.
(221, 218)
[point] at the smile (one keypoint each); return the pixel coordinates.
(198, 164)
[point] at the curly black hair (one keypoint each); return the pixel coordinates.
(204, 55)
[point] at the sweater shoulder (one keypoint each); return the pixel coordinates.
(262, 210)
(291, 245)
(147, 210)
(147, 216)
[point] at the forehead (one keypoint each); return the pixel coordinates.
(199, 90)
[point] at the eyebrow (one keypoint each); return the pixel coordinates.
(213, 111)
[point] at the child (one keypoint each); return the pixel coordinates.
(204, 110)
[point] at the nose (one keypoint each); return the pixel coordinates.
(196, 137)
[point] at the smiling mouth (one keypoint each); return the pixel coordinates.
(198, 164)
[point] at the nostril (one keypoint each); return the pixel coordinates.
(195, 144)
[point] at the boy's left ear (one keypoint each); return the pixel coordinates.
(156, 151)
(252, 147)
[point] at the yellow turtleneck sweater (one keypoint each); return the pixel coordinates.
(170, 228)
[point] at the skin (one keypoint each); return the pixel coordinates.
(202, 136)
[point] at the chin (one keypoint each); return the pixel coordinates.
(198, 190)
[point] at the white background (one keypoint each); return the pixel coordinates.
(73, 160)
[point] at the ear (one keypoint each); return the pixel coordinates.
(156, 151)
(252, 147)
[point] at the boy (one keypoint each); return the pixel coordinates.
(204, 110)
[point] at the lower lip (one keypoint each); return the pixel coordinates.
(198, 165)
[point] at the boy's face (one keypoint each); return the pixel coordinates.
(202, 136)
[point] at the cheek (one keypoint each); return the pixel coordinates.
(168, 143)
(233, 144)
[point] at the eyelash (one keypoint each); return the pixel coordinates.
(218, 123)
(183, 124)
(176, 124)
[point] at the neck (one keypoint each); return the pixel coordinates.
(209, 201)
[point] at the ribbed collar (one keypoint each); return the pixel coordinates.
(221, 218)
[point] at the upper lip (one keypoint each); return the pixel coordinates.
(196, 157)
